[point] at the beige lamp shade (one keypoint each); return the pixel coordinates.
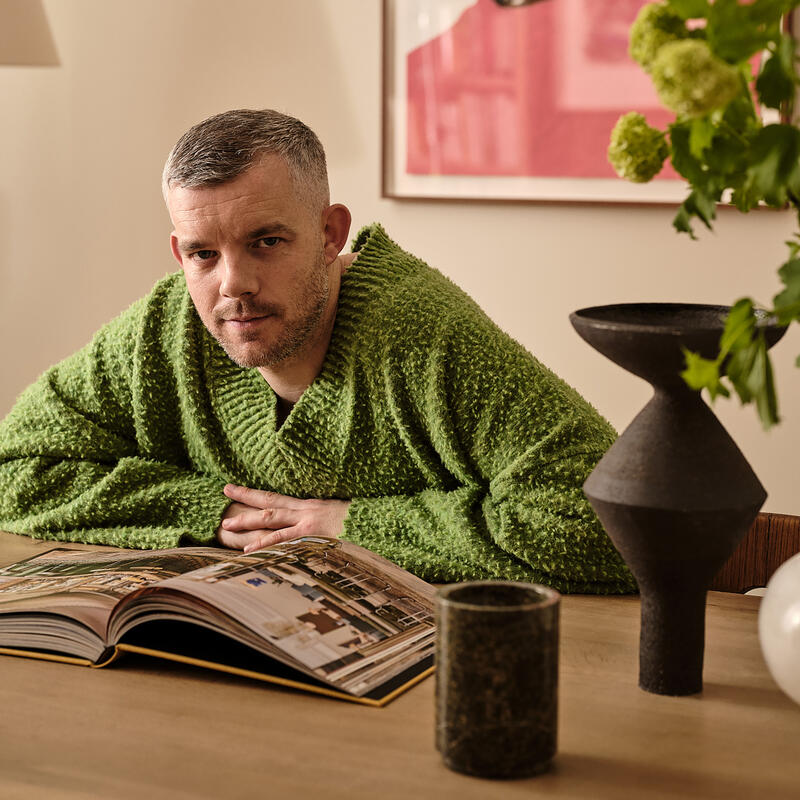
(25, 38)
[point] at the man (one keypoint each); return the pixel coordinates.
(272, 389)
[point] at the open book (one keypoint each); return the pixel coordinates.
(318, 614)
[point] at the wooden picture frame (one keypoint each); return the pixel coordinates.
(482, 102)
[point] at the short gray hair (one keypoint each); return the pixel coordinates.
(222, 147)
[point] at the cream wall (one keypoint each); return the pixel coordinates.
(84, 233)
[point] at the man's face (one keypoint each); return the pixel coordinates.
(253, 256)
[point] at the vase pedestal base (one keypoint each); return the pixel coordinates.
(673, 555)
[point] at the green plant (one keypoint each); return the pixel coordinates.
(698, 55)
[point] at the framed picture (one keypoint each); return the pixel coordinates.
(512, 103)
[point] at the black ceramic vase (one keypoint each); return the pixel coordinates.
(674, 492)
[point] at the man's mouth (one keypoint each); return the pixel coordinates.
(246, 322)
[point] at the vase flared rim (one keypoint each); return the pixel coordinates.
(662, 318)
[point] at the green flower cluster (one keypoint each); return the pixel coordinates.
(637, 151)
(655, 26)
(691, 80)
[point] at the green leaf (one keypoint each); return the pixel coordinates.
(701, 133)
(787, 302)
(728, 155)
(683, 221)
(741, 115)
(704, 206)
(739, 369)
(794, 246)
(703, 373)
(721, 165)
(763, 384)
(745, 197)
(750, 372)
(697, 204)
(775, 165)
(683, 161)
(790, 271)
(776, 81)
(689, 9)
(736, 32)
(739, 327)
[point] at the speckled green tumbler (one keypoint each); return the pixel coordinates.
(497, 678)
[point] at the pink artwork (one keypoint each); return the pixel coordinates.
(508, 102)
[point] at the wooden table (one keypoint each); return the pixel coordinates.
(148, 729)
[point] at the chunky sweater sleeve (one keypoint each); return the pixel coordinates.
(75, 465)
(517, 443)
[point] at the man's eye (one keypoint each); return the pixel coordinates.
(268, 241)
(203, 255)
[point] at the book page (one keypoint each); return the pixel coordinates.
(349, 620)
(86, 585)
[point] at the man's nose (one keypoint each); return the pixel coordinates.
(238, 277)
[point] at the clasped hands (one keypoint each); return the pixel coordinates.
(257, 519)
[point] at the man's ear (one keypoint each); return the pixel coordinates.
(335, 229)
(173, 243)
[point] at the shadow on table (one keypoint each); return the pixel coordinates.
(749, 696)
(601, 778)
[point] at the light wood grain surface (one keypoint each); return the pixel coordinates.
(147, 729)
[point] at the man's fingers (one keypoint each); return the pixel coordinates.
(260, 519)
(257, 519)
(250, 541)
(258, 498)
(250, 497)
(237, 541)
(271, 538)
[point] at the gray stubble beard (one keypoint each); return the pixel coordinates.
(291, 340)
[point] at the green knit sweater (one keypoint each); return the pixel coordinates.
(463, 456)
